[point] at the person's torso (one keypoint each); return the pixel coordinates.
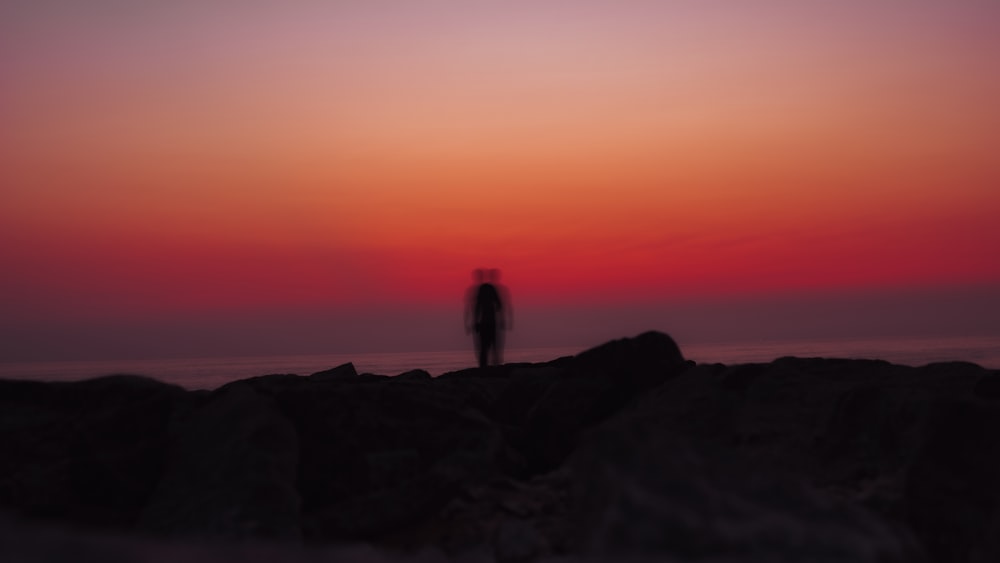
(487, 302)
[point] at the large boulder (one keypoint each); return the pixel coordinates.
(641, 495)
(639, 363)
(88, 452)
(952, 490)
(543, 409)
(231, 474)
(377, 455)
(343, 371)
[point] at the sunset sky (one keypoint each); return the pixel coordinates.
(306, 176)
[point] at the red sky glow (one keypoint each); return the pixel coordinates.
(180, 159)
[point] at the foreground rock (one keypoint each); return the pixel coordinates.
(89, 453)
(230, 472)
(624, 451)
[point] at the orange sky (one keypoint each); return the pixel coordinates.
(186, 157)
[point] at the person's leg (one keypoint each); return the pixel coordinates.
(477, 344)
(486, 347)
(484, 351)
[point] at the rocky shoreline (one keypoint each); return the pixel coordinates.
(625, 451)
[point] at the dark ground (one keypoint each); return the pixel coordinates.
(625, 451)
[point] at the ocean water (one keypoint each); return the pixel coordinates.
(209, 373)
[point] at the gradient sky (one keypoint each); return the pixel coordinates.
(213, 176)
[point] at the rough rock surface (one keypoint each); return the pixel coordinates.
(230, 472)
(88, 453)
(623, 451)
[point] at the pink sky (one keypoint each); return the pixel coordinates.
(305, 164)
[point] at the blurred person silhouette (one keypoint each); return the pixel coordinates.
(488, 315)
(505, 321)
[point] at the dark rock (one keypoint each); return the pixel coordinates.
(846, 428)
(87, 452)
(954, 368)
(478, 373)
(544, 409)
(374, 376)
(739, 378)
(522, 391)
(641, 362)
(27, 542)
(873, 428)
(952, 490)
(343, 371)
(625, 450)
(548, 434)
(403, 502)
(515, 519)
(642, 495)
(387, 468)
(516, 541)
(988, 387)
(377, 455)
(231, 475)
(414, 374)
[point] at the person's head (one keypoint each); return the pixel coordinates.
(494, 275)
(479, 275)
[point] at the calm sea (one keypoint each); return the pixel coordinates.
(209, 373)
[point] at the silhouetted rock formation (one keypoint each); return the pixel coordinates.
(88, 452)
(230, 472)
(623, 451)
(345, 371)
